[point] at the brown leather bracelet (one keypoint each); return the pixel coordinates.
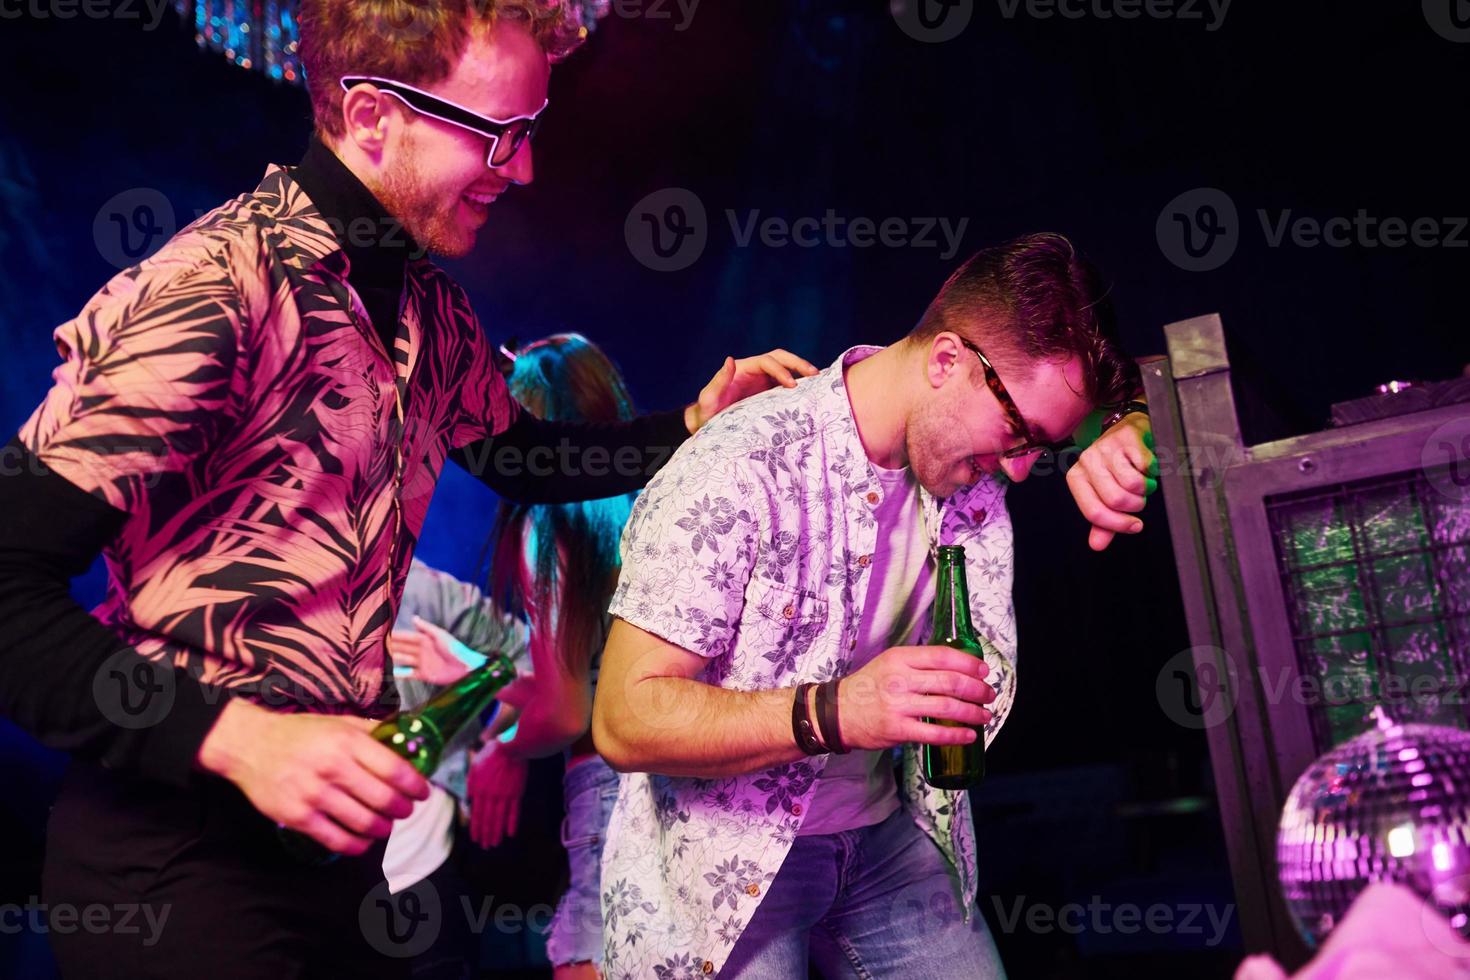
(827, 716)
(801, 723)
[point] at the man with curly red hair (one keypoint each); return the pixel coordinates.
(248, 426)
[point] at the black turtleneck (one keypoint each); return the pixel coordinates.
(377, 248)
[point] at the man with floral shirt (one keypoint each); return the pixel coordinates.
(789, 543)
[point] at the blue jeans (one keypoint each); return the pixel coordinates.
(590, 789)
(873, 902)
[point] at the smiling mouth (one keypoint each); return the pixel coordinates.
(479, 203)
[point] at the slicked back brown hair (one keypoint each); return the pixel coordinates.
(413, 41)
(1031, 300)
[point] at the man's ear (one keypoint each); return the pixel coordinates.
(366, 120)
(942, 358)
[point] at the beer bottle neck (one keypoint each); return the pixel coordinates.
(952, 596)
(461, 703)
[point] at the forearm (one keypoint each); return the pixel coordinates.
(675, 726)
(51, 680)
(540, 462)
(540, 733)
(557, 708)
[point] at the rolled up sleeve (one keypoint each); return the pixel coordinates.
(688, 550)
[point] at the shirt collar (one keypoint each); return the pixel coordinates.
(842, 408)
(319, 208)
(377, 246)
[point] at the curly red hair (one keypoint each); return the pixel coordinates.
(414, 41)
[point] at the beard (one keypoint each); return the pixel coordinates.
(938, 458)
(405, 194)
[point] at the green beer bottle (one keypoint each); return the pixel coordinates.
(954, 766)
(420, 736)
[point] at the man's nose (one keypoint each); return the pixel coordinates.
(520, 169)
(1019, 468)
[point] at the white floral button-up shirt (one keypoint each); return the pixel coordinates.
(753, 547)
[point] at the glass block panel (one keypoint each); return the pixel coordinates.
(1345, 721)
(1315, 534)
(1377, 582)
(1421, 675)
(1330, 600)
(1454, 579)
(1449, 516)
(1343, 661)
(1342, 684)
(1389, 521)
(1406, 588)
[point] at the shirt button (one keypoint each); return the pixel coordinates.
(979, 514)
(789, 611)
(872, 496)
(752, 890)
(796, 809)
(865, 560)
(708, 967)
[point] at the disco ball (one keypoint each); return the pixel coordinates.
(1391, 805)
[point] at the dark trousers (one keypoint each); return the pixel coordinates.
(454, 953)
(147, 880)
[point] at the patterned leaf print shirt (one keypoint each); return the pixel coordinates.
(231, 396)
(752, 548)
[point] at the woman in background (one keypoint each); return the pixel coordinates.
(555, 566)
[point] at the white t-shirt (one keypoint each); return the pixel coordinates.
(858, 789)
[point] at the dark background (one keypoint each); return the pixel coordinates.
(1088, 126)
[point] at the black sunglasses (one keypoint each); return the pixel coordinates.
(505, 135)
(1030, 444)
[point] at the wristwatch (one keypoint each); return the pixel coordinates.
(1117, 415)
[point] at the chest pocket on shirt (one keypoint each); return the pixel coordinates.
(789, 606)
(789, 622)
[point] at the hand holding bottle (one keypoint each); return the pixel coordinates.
(322, 775)
(886, 702)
